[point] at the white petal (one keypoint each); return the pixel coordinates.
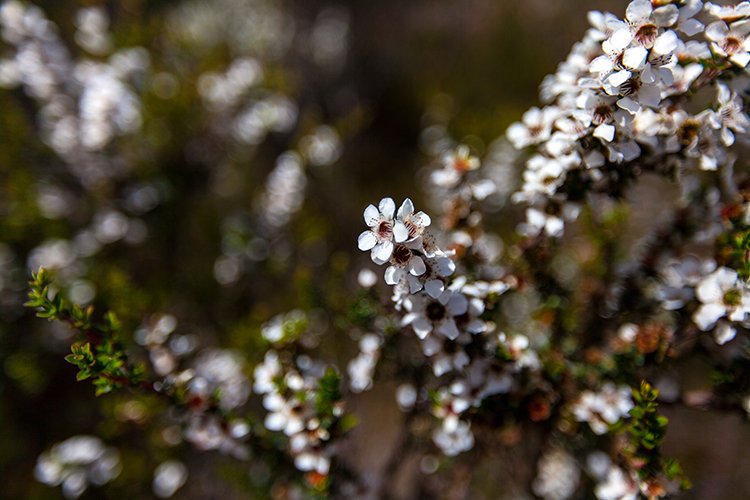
(666, 43)
(724, 333)
(605, 132)
(414, 284)
(434, 288)
(634, 58)
(457, 305)
(274, 421)
(740, 59)
(372, 216)
(367, 240)
(727, 137)
(650, 95)
(445, 266)
(741, 27)
(602, 64)
(382, 252)
(724, 94)
(393, 275)
(387, 207)
(409, 318)
(666, 15)
(638, 9)
(423, 219)
(716, 31)
(421, 327)
(725, 277)
(476, 326)
(441, 366)
(621, 39)
(406, 208)
(617, 79)
(400, 233)
(691, 27)
(629, 105)
(535, 218)
(449, 329)
(417, 266)
(554, 226)
(594, 159)
(707, 315)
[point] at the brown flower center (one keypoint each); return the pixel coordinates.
(646, 35)
(401, 255)
(435, 311)
(385, 229)
(731, 45)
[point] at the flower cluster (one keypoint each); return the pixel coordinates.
(604, 408)
(84, 104)
(76, 463)
(621, 97)
(445, 313)
(297, 405)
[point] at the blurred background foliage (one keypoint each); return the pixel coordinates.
(472, 64)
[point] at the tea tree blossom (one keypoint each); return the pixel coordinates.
(384, 230)
(721, 294)
(604, 408)
(730, 41)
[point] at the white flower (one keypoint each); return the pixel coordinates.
(384, 230)
(405, 265)
(266, 373)
(538, 221)
(686, 22)
(415, 223)
(642, 24)
(729, 13)
(732, 43)
(721, 294)
(455, 165)
(76, 463)
(283, 415)
(604, 408)
(438, 268)
(535, 128)
(426, 315)
(679, 277)
(729, 117)
(617, 486)
(454, 436)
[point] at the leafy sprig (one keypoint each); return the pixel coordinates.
(98, 352)
(646, 432)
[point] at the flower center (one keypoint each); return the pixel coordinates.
(602, 114)
(732, 297)
(688, 132)
(461, 164)
(435, 311)
(646, 35)
(401, 255)
(731, 45)
(385, 229)
(630, 87)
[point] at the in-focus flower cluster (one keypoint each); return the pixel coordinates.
(445, 312)
(623, 96)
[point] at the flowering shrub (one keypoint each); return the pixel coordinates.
(555, 341)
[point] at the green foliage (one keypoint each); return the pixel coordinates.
(646, 431)
(328, 397)
(98, 352)
(734, 245)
